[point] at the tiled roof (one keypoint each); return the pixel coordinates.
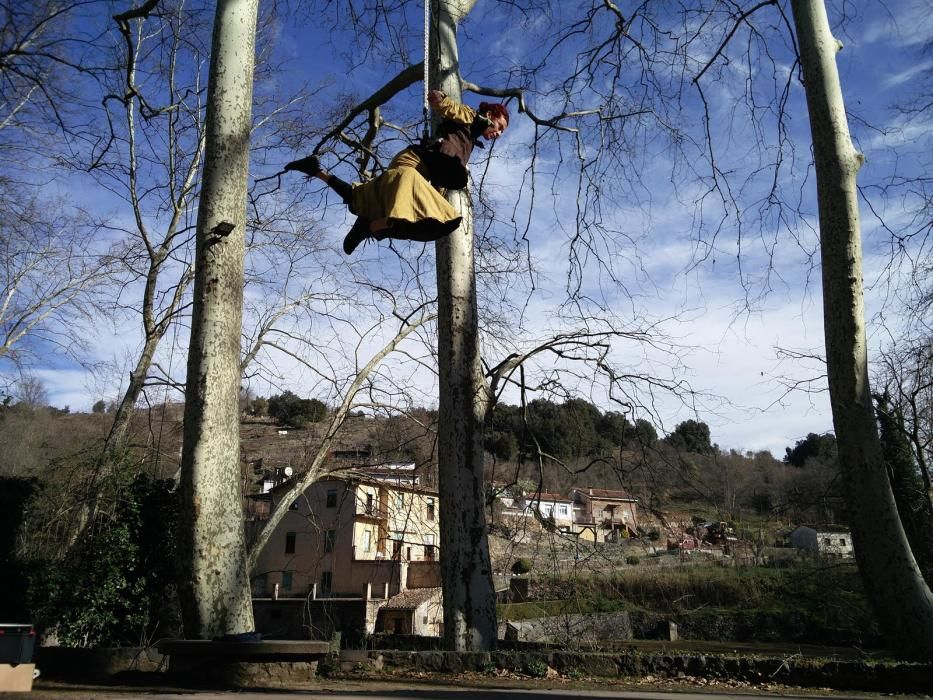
(826, 528)
(412, 598)
(547, 497)
(606, 493)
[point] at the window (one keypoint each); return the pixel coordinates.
(400, 500)
(842, 541)
(329, 537)
(259, 585)
(396, 544)
(290, 542)
(367, 540)
(331, 498)
(562, 511)
(826, 541)
(430, 509)
(369, 504)
(326, 581)
(429, 547)
(287, 580)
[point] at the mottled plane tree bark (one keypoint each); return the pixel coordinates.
(902, 601)
(584, 335)
(215, 587)
(466, 571)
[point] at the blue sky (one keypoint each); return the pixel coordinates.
(667, 255)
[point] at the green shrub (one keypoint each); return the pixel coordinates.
(115, 586)
(632, 560)
(536, 668)
(521, 566)
(290, 409)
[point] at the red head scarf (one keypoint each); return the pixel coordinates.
(494, 109)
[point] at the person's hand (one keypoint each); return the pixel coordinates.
(435, 97)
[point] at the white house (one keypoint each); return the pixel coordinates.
(551, 506)
(824, 539)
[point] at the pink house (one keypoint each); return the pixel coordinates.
(357, 538)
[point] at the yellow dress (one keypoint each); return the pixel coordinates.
(403, 195)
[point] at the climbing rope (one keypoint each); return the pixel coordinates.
(426, 108)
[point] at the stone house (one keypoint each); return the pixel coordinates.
(357, 538)
(835, 540)
(603, 515)
(417, 611)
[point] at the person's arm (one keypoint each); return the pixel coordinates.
(446, 108)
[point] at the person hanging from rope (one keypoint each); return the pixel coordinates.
(406, 201)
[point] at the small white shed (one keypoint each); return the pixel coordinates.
(823, 539)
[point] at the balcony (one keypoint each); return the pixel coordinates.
(372, 511)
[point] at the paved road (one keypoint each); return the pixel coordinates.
(373, 690)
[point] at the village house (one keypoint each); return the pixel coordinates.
(594, 515)
(835, 540)
(603, 515)
(552, 508)
(359, 541)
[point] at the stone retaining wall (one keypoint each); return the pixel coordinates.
(843, 675)
(534, 660)
(64, 663)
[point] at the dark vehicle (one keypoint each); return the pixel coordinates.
(17, 643)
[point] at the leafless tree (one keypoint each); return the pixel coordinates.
(53, 268)
(30, 391)
(597, 331)
(53, 273)
(356, 385)
(45, 76)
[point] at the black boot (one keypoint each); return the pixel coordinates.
(344, 189)
(359, 232)
(309, 166)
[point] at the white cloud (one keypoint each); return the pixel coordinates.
(907, 22)
(908, 74)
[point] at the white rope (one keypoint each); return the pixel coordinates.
(427, 49)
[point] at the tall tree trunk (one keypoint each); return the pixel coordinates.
(124, 412)
(469, 596)
(215, 584)
(901, 599)
(115, 443)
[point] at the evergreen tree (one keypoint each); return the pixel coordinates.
(691, 436)
(822, 447)
(906, 483)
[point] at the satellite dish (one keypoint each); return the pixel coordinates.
(288, 471)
